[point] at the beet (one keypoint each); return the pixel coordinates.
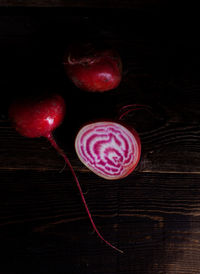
(109, 149)
(38, 117)
(93, 69)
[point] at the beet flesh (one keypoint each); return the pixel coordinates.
(109, 149)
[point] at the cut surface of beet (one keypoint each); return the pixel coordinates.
(109, 149)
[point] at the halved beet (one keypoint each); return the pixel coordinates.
(109, 149)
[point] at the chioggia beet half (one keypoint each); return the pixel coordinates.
(109, 149)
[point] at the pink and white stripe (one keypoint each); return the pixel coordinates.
(108, 149)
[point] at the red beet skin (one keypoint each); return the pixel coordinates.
(109, 149)
(93, 70)
(37, 117)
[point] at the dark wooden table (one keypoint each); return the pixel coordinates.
(153, 214)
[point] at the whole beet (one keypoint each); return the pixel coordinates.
(93, 69)
(36, 117)
(39, 116)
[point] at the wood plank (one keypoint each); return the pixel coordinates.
(80, 4)
(154, 218)
(169, 149)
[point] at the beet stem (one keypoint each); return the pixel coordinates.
(132, 107)
(61, 152)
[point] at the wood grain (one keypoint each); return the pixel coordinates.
(154, 218)
(168, 149)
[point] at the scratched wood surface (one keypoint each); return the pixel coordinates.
(153, 214)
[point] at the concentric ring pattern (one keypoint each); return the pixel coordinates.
(108, 149)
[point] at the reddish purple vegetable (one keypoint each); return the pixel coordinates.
(93, 69)
(39, 117)
(36, 117)
(109, 149)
